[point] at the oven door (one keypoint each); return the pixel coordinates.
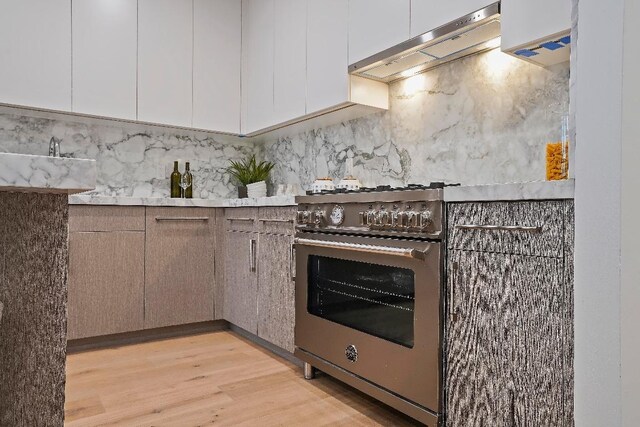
(372, 307)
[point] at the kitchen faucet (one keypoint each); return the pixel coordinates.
(54, 147)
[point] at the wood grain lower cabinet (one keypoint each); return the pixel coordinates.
(509, 334)
(505, 341)
(106, 283)
(259, 292)
(241, 280)
(179, 266)
(276, 290)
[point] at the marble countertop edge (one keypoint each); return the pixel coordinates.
(537, 190)
(92, 199)
(542, 190)
(43, 174)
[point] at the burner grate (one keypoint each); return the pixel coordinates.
(382, 188)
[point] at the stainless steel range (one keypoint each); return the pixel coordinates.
(369, 279)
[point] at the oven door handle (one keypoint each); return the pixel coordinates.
(385, 250)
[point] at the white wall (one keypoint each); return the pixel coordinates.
(597, 198)
(607, 300)
(630, 226)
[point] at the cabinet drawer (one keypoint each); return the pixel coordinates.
(277, 220)
(519, 228)
(241, 219)
(106, 218)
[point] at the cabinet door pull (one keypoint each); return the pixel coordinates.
(288, 221)
(536, 229)
(452, 284)
(241, 219)
(182, 218)
(292, 264)
(513, 409)
(252, 255)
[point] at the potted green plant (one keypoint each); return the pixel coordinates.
(251, 176)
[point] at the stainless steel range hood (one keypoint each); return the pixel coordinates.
(473, 33)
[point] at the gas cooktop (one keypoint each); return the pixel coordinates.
(414, 211)
(380, 188)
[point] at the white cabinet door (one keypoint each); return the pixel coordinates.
(290, 50)
(257, 64)
(375, 25)
(165, 55)
(217, 35)
(327, 54)
(35, 53)
(427, 15)
(525, 21)
(104, 57)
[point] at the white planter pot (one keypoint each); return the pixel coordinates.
(257, 189)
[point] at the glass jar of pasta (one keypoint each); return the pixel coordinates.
(557, 153)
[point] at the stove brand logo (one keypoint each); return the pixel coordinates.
(352, 353)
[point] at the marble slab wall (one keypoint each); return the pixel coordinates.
(483, 119)
(132, 159)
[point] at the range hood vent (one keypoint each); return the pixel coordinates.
(473, 33)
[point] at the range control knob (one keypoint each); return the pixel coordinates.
(303, 217)
(384, 219)
(426, 219)
(374, 218)
(412, 219)
(317, 217)
(404, 220)
(362, 218)
(395, 219)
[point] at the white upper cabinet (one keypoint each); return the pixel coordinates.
(327, 54)
(104, 57)
(427, 15)
(35, 53)
(375, 25)
(290, 56)
(165, 55)
(525, 21)
(257, 64)
(217, 35)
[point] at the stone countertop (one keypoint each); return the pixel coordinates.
(91, 199)
(540, 190)
(43, 174)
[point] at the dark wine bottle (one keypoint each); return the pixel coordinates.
(175, 182)
(188, 192)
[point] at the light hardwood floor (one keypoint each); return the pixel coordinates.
(216, 379)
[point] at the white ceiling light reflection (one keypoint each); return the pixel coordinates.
(498, 65)
(413, 85)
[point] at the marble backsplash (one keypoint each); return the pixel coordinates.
(483, 119)
(132, 159)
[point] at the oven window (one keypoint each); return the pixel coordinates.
(375, 299)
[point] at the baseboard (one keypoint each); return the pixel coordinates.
(116, 340)
(266, 344)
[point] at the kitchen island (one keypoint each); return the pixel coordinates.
(33, 283)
